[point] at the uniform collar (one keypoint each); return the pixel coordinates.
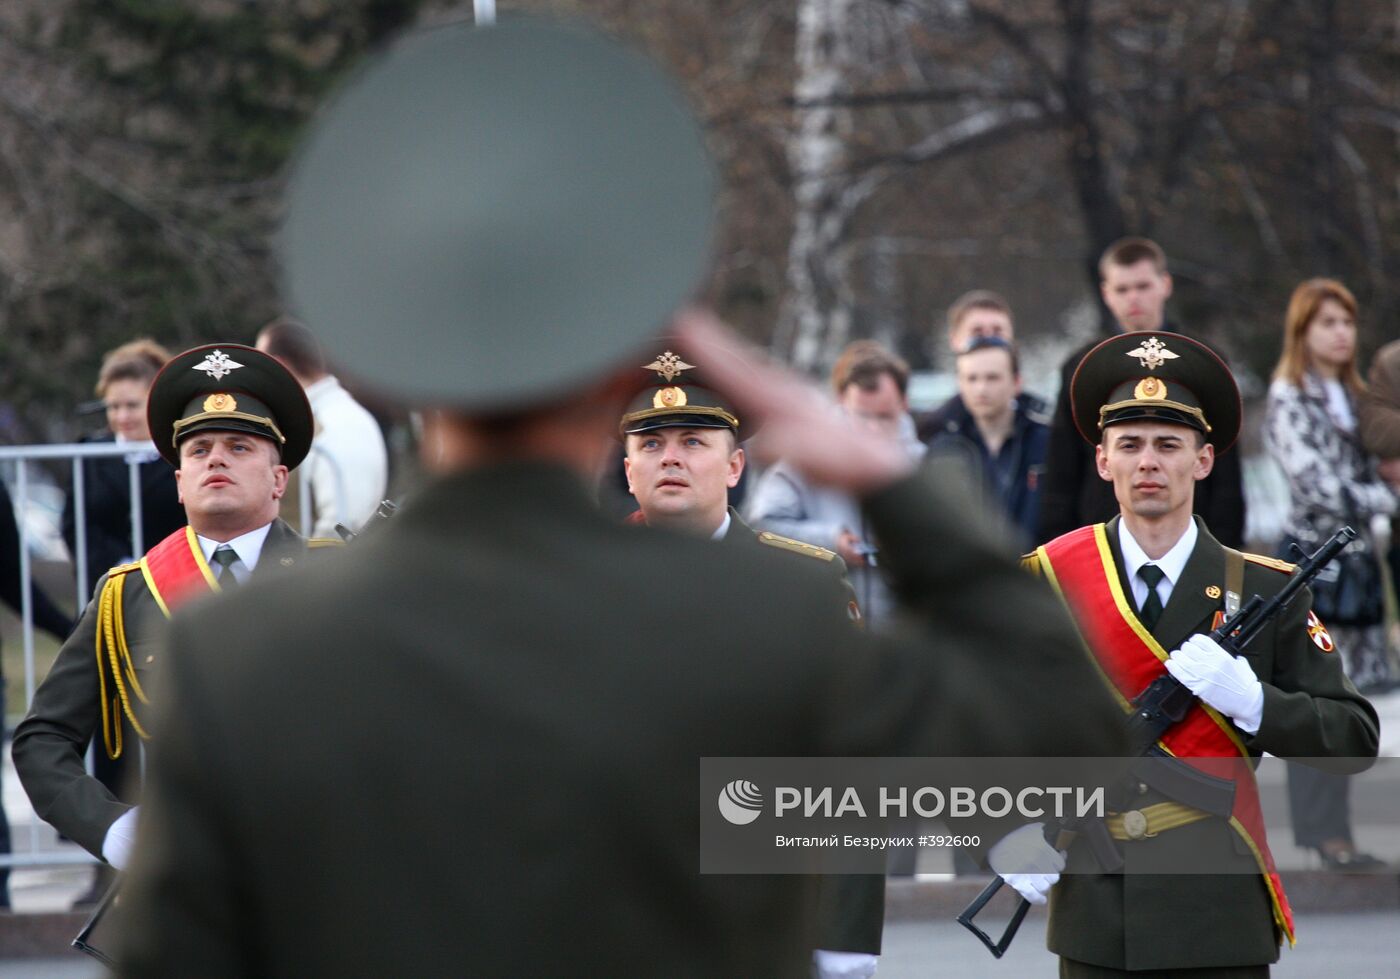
(723, 528)
(248, 546)
(1172, 563)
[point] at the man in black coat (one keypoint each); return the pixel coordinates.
(1135, 286)
(472, 745)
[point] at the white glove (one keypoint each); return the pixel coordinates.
(121, 836)
(1223, 681)
(1025, 861)
(843, 965)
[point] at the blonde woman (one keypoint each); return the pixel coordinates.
(1311, 431)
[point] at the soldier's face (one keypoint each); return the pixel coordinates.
(683, 474)
(229, 480)
(1137, 295)
(1153, 466)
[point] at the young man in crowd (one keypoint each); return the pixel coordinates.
(871, 386)
(990, 428)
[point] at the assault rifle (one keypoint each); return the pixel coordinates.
(1164, 702)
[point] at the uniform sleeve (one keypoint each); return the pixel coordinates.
(183, 915)
(990, 664)
(51, 741)
(1311, 709)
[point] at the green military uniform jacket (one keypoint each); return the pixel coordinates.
(472, 742)
(851, 907)
(1152, 920)
(51, 741)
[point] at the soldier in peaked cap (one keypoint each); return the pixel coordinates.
(233, 422)
(1160, 408)
(683, 454)
(508, 684)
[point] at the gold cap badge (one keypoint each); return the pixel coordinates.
(671, 397)
(1150, 389)
(220, 402)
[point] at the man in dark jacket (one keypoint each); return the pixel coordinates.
(975, 315)
(1135, 286)
(992, 430)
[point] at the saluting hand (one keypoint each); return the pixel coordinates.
(799, 424)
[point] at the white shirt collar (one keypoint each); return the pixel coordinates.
(723, 528)
(1172, 563)
(248, 547)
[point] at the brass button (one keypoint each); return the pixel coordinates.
(150, 659)
(1134, 824)
(1142, 788)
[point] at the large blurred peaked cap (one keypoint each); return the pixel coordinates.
(488, 218)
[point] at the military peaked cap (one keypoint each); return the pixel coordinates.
(229, 388)
(1155, 376)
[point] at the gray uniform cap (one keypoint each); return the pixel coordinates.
(487, 218)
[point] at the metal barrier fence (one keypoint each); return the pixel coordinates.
(135, 453)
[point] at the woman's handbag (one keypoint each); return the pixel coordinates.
(1348, 591)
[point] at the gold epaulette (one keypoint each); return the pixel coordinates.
(796, 546)
(1031, 562)
(1271, 562)
(114, 665)
(314, 542)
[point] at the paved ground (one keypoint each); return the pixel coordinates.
(1362, 944)
(1358, 944)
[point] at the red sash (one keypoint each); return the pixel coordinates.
(175, 571)
(1080, 567)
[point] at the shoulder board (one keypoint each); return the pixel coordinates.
(313, 543)
(796, 546)
(1031, 562)
(1271, 562)
(123, 569)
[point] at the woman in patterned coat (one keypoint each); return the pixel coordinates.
(1311, 431)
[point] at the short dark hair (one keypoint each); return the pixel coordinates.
(293, 344)
(1130, 251)
(977, 299)
(863, 362)
(994, 343)
(139, 360)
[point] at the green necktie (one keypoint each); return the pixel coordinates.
(1151, 609)
(224, 556)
